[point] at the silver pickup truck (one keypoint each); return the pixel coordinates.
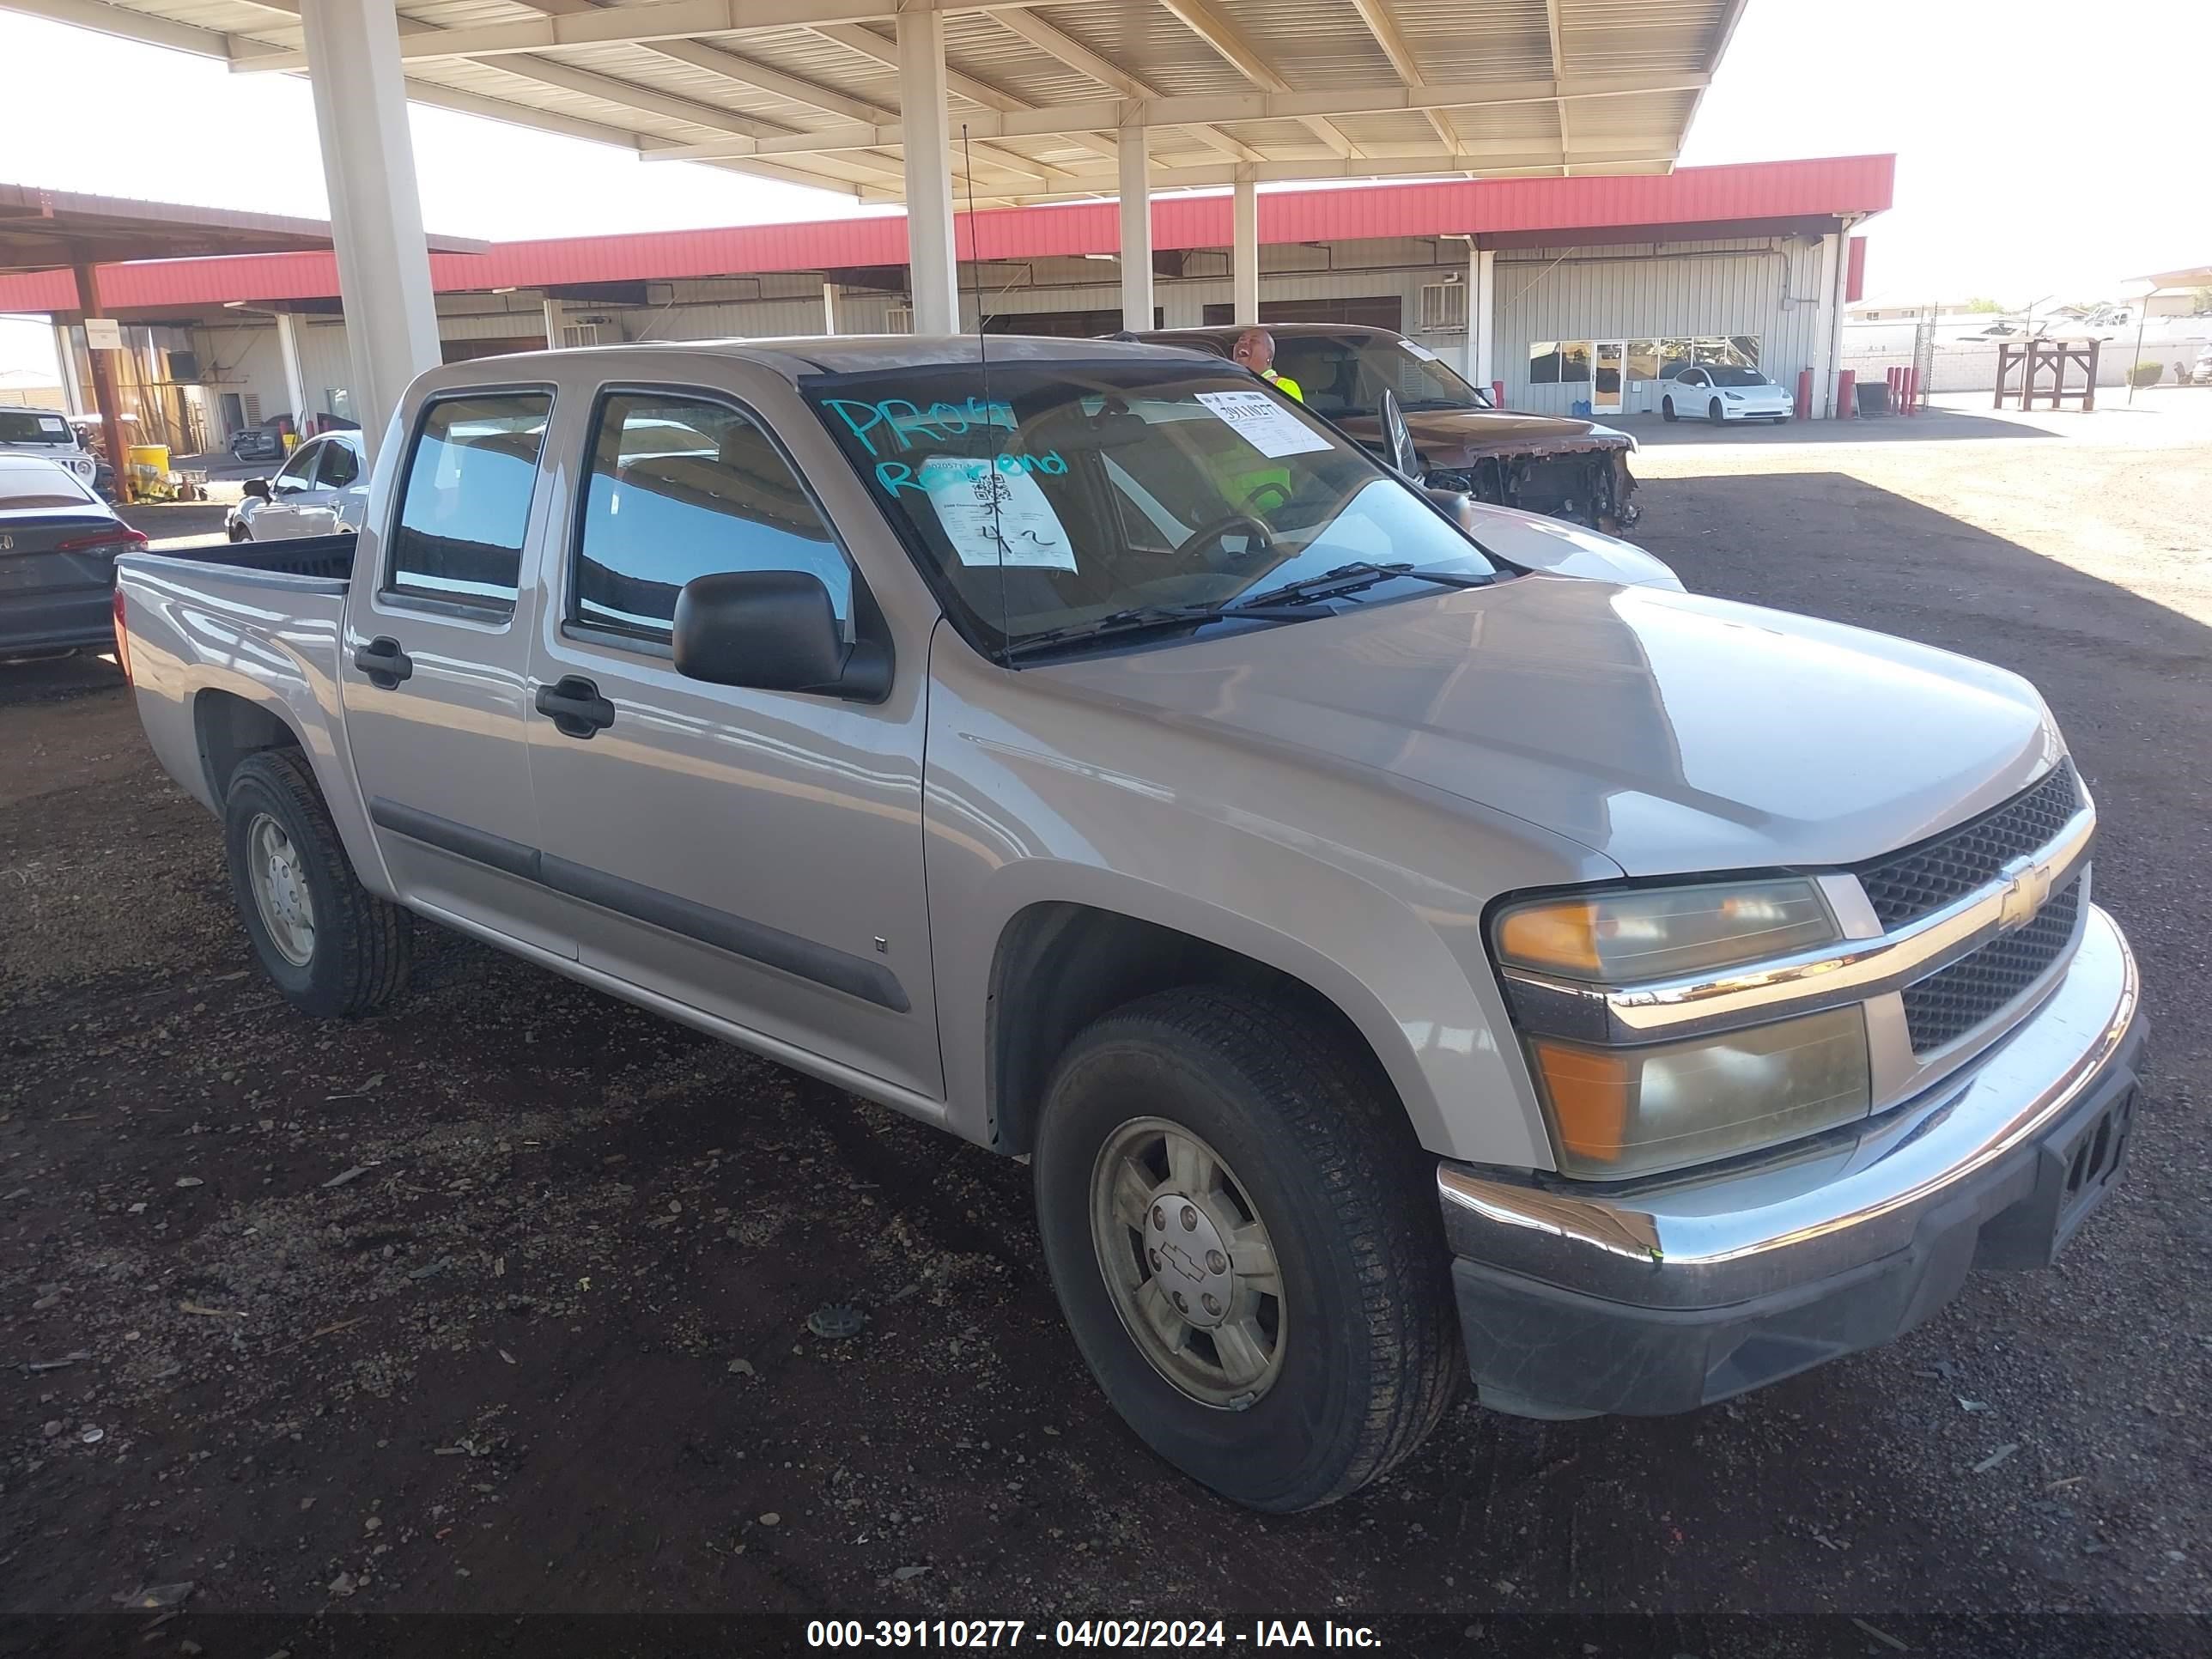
(1407, 941)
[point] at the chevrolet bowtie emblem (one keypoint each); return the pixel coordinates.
(2028, 885)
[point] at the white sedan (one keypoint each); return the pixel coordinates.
(322, 490)
(1723, 391)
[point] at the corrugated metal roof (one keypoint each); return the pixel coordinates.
(1579, 207)
(657, 75)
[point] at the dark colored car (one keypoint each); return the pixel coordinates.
(264, 442)
(57, 546)
(1563, 469)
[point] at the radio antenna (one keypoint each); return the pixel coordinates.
(991, 481)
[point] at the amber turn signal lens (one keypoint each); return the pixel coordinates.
(1563, 937)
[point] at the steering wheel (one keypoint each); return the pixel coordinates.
(1272, 493)
(1221, 528)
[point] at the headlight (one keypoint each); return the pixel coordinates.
(1630, 935)
(1619, 1112)
(1638, 1109)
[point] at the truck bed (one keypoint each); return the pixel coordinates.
(303, 555)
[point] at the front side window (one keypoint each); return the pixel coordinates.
(295, 473)
(681, 487)
(466, 502)
(1079, 493)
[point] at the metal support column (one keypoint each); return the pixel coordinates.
(376, 211)
(104, 397)
(555, 317)
(933, 262)
(1132, 156)
(1825, 327)
(1481, 316)
(295, 384)
(1244, 249)
(829, 307)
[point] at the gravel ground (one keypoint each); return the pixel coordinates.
(498, 1304)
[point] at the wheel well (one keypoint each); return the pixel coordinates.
(1059, 967)
(229, 728)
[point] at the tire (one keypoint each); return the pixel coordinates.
(355, 953)
(1315, 1149)
(239, 533)
(1713, 413)
(1666, 411)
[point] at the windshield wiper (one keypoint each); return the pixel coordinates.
(1350, 578)
(1142, 618)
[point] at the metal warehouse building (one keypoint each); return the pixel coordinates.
(1573, 293)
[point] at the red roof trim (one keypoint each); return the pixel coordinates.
(1830, 187)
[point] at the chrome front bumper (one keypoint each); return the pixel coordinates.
(1663, 1295)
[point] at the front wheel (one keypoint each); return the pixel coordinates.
(1713, 412)
(1244, 1238)
(332, 946)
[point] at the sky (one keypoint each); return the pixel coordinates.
(2015, 185)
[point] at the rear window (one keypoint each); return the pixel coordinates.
(27, 426)
(471, 476)
(25, 487)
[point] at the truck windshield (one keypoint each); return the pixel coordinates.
(28, 426)
(1085, 494)
(1347, 374)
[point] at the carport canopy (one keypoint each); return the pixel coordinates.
(1018, 100)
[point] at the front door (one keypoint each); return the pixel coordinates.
(1608, 359)
(756, 855)
(294, 501)
(434, 665)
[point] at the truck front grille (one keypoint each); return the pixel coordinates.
(1953, 1000)
(1904, 886)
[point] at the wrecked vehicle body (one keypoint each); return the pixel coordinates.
(1562, 468)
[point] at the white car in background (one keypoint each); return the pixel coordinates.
(1724, 391)
(322, 490)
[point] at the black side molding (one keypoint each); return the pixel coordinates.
(510, 856)
(754, 941)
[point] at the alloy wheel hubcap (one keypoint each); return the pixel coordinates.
(280, 890)
(1188, 1263)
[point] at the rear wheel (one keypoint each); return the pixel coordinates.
(1667, 409)
(331, 947)
(239, 532)
(1243, 1236)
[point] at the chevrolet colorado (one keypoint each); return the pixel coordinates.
(1406, 944)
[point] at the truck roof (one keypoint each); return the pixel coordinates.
(847, 353)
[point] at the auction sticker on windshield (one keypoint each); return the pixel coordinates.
(993, 515)
(1264, 424)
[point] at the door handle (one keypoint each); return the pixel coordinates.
(384, 662)
(576, 706)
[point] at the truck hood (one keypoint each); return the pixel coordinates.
(1454, 437)
(1671, 732)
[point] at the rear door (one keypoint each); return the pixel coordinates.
(753, 855)
(436, 663)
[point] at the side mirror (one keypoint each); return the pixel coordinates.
(257, 488)
(774, 630)
(1398, 451)
(1458, 506)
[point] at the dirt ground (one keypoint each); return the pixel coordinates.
(498, 1304)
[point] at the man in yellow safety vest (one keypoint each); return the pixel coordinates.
(1255, 349)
